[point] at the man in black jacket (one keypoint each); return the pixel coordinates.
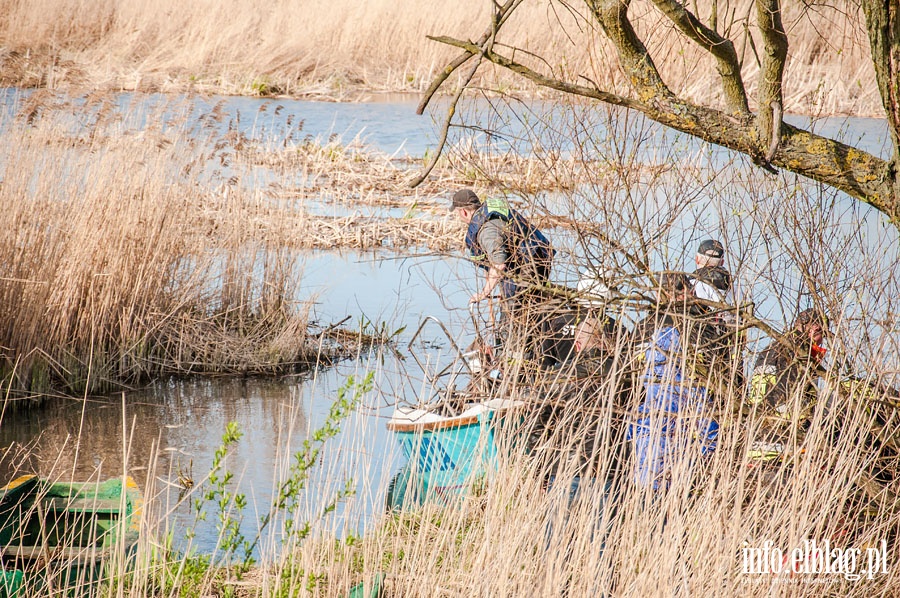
(557, 336)
(578, 431)
(711, 281)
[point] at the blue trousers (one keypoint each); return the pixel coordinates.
(673, 426)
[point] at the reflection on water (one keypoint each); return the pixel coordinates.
(169, 432)
(171, 429)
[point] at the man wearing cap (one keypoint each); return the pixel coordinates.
(577, 433)
(558, 330)
(711, 280)
(501, 241)
(788, 367)
(682, 357)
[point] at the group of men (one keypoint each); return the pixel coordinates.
(683, 354)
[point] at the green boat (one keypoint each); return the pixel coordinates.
(59, 538)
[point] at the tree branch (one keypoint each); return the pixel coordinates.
(764, 137)
(543, 80)
(857, 173)
(633, 55)
(486, 44)
(451, 110)
(721, 48)
(500, 18)
(771, 74)
(775, 141)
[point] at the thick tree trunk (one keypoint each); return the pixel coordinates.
(883, 25)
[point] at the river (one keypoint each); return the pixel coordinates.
(170, 430)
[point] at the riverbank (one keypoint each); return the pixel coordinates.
(149, 235)
(339, 51)
(132, 249)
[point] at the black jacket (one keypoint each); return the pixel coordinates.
(779, 371)
(580, 427)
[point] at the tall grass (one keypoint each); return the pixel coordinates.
(513, 536)
(638, 211)
(112, 272)
(329, 49)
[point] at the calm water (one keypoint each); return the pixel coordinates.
(170, 430)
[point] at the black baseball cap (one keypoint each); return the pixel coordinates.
(711, 248)
(463, 199)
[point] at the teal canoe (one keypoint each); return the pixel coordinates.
(60, 537)
(446, 454)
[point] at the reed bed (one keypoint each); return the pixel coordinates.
(110, 276)
(511, 535)
(137, 250)
(355, 174)
(689, 539)
(134, 250)
(338, 50)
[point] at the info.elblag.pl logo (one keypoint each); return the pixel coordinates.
(815, 558)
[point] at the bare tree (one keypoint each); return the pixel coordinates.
(762, 135)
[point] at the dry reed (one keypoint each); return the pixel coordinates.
(335, 49)
(131, 252)
(515, 537)
(836, 483)
(110, 276)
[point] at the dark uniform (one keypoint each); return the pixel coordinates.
(577, 444)
(557, 344)
(716, 276)
(571, 429)
(779, 371)
(778, 374)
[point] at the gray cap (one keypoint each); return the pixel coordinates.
(463, 199)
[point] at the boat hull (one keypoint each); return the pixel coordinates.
(61, 537)
(446, 455)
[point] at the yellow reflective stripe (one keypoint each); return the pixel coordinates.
(765, 451)
(759, 386)
(497, 206)
(759, 455)
(858, 388)
(17, 482)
